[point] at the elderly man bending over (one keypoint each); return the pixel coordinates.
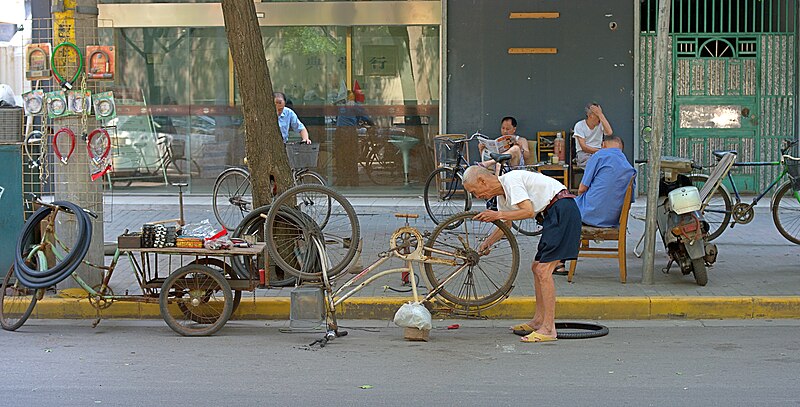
(521, 195)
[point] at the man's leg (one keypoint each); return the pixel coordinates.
(536, 321)
(543, 279)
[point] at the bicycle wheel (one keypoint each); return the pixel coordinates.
(204, 293)
(718, 211)
(444, 195)
(223, 268)
(232, 197)
(253, 224)
(305, 208)
(182, 166)
(16, 302)
(383, 163)
(528, 227)
(308, 177)
(478, 281)
(786, 212)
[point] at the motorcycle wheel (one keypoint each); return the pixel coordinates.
(700, 272)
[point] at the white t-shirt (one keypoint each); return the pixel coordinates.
(593, 137)
(521, 185)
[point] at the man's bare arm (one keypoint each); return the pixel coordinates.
(585, 147)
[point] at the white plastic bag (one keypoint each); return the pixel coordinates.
(413, 315)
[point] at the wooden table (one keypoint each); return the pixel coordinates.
(557, 171)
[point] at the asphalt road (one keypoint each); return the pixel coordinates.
(640, 363)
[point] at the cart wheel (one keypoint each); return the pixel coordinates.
(203, 293)
(222, 267)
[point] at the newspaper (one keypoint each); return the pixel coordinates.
(495, 146)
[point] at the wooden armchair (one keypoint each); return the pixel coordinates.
(590, 233)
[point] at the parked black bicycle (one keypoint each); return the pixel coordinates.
(444, 193)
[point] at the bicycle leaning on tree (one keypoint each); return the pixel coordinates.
(232, 196)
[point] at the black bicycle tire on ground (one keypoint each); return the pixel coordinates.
(490, 299)
(699, 180)
(783, 190)
(290, 196)
(430, 188)
(588, 330)
(230, 172)
(220, 264)
(63, 269)
(700, 271)
(252, 222)
(8, 323)
(173, 279)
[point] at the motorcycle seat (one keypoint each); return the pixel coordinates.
(721, 153)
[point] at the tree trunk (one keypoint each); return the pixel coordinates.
(264, 145)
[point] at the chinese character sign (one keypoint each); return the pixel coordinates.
(380, 60)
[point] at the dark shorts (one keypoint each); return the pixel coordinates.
(561, 232)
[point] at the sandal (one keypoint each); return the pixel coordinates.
(560, 270)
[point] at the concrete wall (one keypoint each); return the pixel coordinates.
(544, 92)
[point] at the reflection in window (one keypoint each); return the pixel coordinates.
(710, 117)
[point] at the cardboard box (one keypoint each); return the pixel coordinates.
(190, 242)
(416, 334)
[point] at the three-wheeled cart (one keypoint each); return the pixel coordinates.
(197, 288)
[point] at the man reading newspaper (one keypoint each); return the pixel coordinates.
(508, 142)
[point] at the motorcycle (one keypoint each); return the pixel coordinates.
(680, 222)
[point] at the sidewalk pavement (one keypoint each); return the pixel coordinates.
(756, 274)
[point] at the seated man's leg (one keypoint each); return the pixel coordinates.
(581, 158)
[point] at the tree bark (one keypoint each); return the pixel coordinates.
(266, 153)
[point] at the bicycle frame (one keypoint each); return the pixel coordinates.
(766, 190)
(337, 297)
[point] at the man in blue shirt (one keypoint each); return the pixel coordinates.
(603, 186)
(288, 120)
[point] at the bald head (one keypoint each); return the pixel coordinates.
(613, 142)
(474, 173)
(482, 183)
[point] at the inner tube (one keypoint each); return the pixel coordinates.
(34, 278)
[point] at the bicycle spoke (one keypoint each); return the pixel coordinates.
(488, 278)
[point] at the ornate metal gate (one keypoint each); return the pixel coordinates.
(731, 83)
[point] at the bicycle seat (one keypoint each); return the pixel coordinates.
(500, 158)
(139, 144)
(721, 153)
(406, 215)
(180, 184)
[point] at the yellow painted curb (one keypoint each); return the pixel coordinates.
(701, 307)
(588, 308)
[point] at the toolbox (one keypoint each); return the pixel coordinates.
(131, 240)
